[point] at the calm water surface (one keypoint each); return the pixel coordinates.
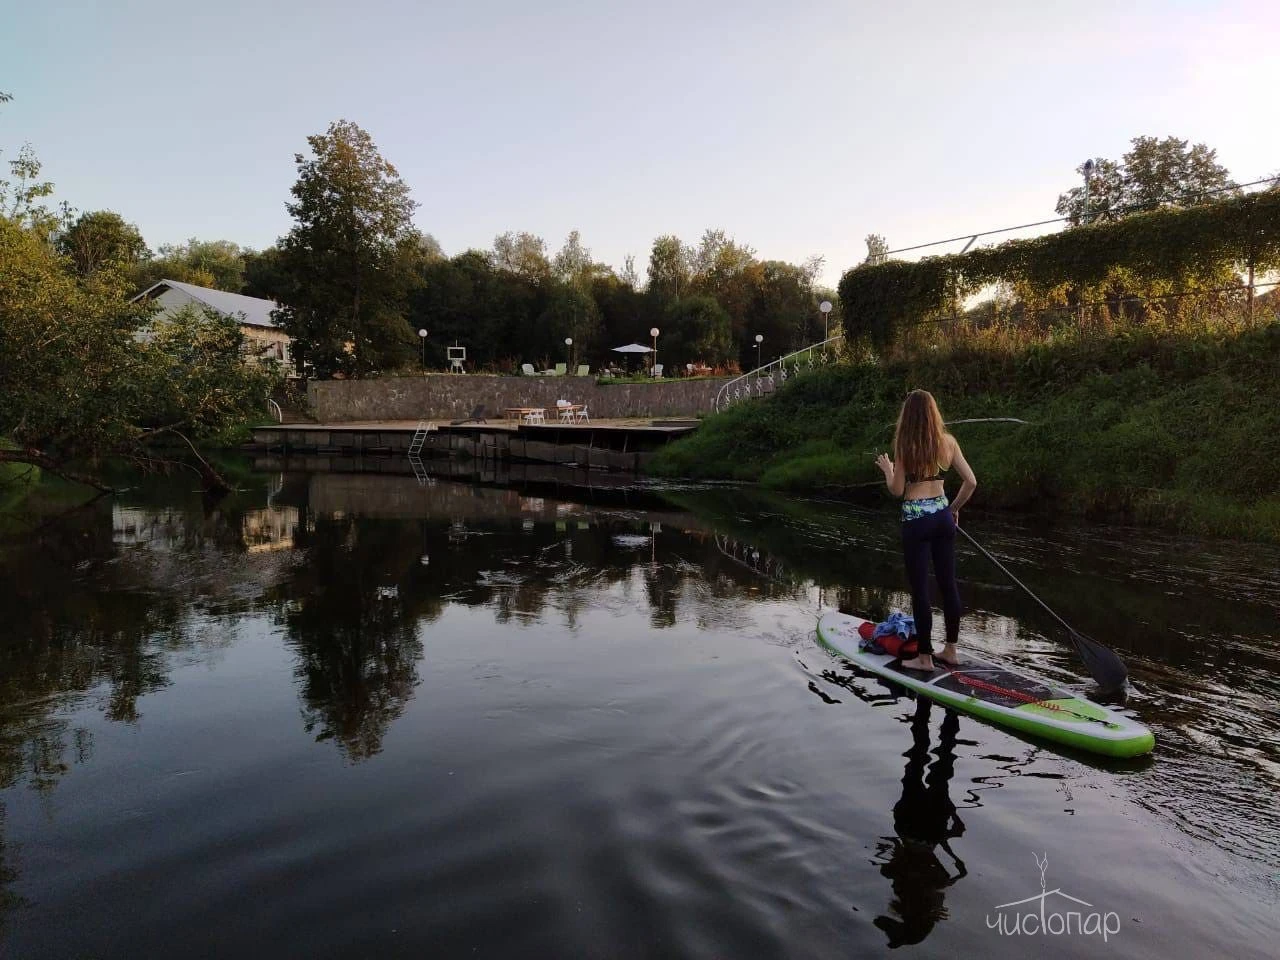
(357, 715)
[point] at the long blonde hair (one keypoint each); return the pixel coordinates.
(920, 440)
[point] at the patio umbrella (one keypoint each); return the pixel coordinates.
(632, 348)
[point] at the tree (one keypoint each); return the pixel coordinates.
(489, 311)
(1169, 173)
(1107, 195)
(80, 385)
(570, 311)
(719, 254)
(265, 276)
(628, 274)
(877, 249)
(782, 307)
(218, 264)
(429, 249)
(523, 254)
(350, 257)
(21, 198)
(1153, 173)
(102, 240)
(696, 330)
(668, 268)
(623, 314)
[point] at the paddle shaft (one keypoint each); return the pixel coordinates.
(1005, 570)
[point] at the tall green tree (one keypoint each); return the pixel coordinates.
(102, 240)
(877, 249)
(573, 264)
(218, 264)
(265, 276)
(669, 269)
(696, 329)
(1152, 173)
(80, 385)
(22, 196)
(351, 256)
(523, 254)
(491, 312)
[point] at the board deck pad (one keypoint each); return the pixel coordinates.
(998, 694)
(1020, 689)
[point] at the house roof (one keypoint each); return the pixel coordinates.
(257, 312)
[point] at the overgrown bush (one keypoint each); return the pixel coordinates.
(1180, 431)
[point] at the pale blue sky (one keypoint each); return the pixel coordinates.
(798, 127)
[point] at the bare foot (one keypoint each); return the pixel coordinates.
(948, 654)
(922, 662)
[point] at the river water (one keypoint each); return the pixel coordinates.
(364, 715)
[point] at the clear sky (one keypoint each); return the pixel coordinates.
(798, 126)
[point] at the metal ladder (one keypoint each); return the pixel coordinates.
(420, 437)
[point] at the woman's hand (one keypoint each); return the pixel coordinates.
(955, 516)
(885, 465)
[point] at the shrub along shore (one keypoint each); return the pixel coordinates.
(1175, 431)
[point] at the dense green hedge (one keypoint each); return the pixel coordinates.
(1183, 432)
(1152, 253)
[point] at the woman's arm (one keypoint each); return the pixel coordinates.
(970, 483)
(893, 478)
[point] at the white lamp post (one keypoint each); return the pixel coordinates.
(825, 307)
(653, 332)
(568, 352)
(422, 335)
(759, 340)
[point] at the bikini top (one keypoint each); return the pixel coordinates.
(937, 475)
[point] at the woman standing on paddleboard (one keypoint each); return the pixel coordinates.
(923, 451)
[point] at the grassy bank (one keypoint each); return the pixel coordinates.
(1177, 431)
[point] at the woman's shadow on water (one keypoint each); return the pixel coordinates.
(924, 820)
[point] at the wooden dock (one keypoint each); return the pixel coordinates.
(625, 445)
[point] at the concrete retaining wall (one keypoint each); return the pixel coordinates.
(453, 396)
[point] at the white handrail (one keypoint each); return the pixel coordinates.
(766, 379)
(275, 407)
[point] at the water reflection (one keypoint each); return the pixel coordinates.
(355, 572)
(925, 820)
(351, 614)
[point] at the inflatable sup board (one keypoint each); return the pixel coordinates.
(996, 694)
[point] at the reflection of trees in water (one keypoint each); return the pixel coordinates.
(924, 820)
(351, 613)
(66, 632)
(80, 615)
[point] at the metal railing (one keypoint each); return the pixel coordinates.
(275, 410)
(764, 380)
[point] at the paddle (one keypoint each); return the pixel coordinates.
(1103, 664)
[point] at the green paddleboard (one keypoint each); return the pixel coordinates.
(997, 694)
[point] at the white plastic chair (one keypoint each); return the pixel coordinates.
(565, 409)
(581, 414)
(527, 370)
(535, 416)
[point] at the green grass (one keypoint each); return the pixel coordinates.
(1177, 432)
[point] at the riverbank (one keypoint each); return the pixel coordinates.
(1178, 432)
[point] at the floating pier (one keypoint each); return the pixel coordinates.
(606, 445)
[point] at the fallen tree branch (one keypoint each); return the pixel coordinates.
(45, 462)
(212, 479)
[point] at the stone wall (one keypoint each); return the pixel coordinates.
(444, 396)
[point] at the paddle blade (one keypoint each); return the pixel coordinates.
(1104, 666)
